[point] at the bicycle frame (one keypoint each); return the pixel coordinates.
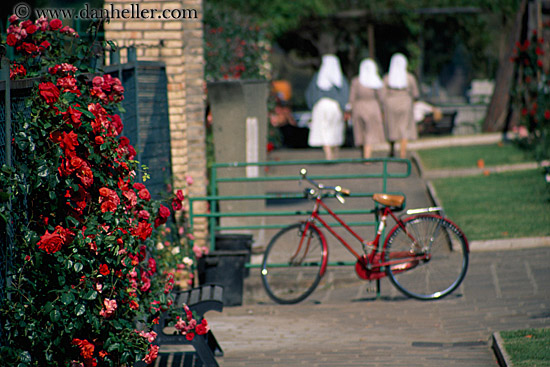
(368, 266)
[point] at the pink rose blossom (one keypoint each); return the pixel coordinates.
(109, 308)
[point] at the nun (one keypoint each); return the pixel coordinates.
(326, 97)
(365, 102)
(400, 92)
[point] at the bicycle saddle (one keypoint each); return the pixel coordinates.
(389, 200)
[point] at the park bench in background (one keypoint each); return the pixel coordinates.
(207, 297)
(444, 126)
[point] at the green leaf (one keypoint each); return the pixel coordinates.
(78, 267)
(73, 221)
(25, 357)
(91, 295)
(67, 298)
(55, 315)
(85, 112)
(80, 309)
(113, 347)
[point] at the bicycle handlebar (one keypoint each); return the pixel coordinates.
(338, 190)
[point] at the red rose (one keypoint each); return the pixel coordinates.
(85, 174)
(176, 204)
(138, 186)
(109, 195)
(179, 195)
(131, 197)
(143, 231)
(52, 242)
(108, 206)
(164, 212)
(524, 111)
(72, 116)
(30, 48)
(104, 270)
(49, 92)
(202, 328)
(31, 29)
(55, 24)
(69, 165)
(547, 114)
(68, 142)
(86, 348)
(152, 355)
(143, 215)
(144, 194)
(116, 124)
(12, 39)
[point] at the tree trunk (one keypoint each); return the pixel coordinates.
(499, 108)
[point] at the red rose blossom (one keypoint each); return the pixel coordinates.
(104, 270)
(143, 231)
(52, 242)
(12, 39)
(49, 92)
(144, 194)
(55, 24)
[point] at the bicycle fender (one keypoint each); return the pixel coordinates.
(458, 229)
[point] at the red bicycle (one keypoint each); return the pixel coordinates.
(424, 255)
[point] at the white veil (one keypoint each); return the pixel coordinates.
(368, 74)
(397, 75)
(330, 73)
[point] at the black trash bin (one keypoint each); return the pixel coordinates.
(237, 242)
(225, 267)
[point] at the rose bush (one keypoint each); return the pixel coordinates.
(236, 47)
(532, 94)
(85, 287)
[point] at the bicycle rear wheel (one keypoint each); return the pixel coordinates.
(433, 265)
(292, 264)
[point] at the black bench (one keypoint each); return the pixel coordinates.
(207, 297)
(444, 126)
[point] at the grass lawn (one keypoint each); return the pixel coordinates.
(500, 205)
(468, 156)
(529, 347)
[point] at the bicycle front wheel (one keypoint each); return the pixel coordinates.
(429, 257)
(292, 264)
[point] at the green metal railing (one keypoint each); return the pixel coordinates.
(215, 214)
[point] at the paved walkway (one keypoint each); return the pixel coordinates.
(343, 323)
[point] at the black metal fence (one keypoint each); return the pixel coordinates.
(146, 120)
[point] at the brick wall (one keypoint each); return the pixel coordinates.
(179, 44)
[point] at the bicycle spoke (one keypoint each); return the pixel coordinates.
(444, 263)
(292, 264)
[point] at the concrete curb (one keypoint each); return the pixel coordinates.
(480, 171)
(456, 140)
(510, 244)
(503, 358)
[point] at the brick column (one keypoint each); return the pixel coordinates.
(179, 44)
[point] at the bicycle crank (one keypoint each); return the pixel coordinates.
(362, 269)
